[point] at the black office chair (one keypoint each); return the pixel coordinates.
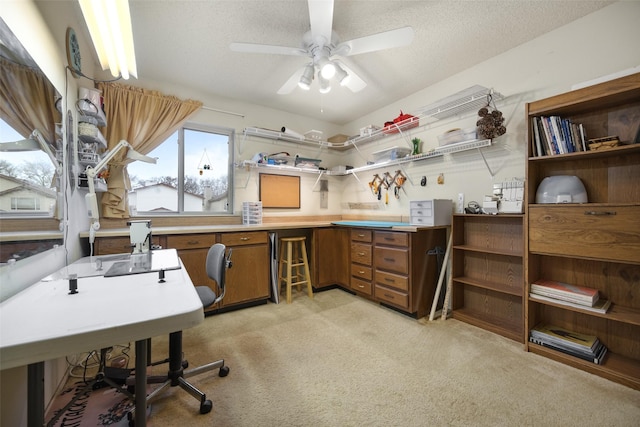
(216, 266)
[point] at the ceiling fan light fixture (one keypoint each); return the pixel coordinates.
(306, 78)
(325, 85)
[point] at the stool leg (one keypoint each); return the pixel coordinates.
(289, 277)
(306, 271)
(298, 259)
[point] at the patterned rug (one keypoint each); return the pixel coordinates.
(102, 407)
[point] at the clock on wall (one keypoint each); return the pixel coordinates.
(73, 53)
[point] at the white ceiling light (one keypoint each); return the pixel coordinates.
(306, 78)
(109, 24)
(325, 85)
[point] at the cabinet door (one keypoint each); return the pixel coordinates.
(331, 257)
(248, 279)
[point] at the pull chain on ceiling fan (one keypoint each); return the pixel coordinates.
(322, 45)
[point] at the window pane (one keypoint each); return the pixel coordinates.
(191, 174)
(155, 185)
(206, 163)
(27, 181)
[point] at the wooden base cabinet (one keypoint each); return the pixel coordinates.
(247, 281)
(487, 273)
(595, 244)
(330, 255)
(405, 274)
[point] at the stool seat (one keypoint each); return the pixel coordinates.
(294, 265)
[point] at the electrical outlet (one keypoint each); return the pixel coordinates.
(460, 202)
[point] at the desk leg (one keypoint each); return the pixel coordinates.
(35, 394)
(141, 383)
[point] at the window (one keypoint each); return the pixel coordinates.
(192, 174)
(25, 204)
(27, 184)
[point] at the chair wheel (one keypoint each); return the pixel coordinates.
(206, 407)
(224, 371)
(185, 364)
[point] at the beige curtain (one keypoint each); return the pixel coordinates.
(144, 118)
(28, 101)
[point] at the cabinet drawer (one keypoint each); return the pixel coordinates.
(392, 296)
(361, 286)
(361, 235)
(191, 241)
(391, 238)
(392, 280)
(361, 271)
(239, 239)
(392, 259)
(607, 232)
(361, 253)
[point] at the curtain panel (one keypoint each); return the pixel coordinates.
(144, 118)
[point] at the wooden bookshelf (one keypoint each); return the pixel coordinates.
(487, 274)
(595, 244)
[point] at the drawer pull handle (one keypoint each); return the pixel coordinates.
(390, 260)
(361, 272)
(244, 239)
(192, 242)
(361, 253)
(600, 213)
(388, 296)
(386, 279)
(360, 235)
(361, 286)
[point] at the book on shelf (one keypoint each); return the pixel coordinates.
(556, 135)
(565, 291)
(601, 306)
(565, 338)
(596, 357)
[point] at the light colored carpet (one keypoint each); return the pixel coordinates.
(339, 360)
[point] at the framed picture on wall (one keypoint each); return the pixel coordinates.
(279, 191)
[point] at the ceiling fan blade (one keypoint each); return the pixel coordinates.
(291, 83)
(321, 18)
(354, 82)
(268, 49)
(385, 40)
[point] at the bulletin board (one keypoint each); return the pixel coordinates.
(279, 191)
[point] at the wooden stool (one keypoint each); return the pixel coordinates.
(293, 253)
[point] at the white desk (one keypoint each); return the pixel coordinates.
(45, 322)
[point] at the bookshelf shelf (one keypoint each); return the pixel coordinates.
(487, 273)
(596, 244)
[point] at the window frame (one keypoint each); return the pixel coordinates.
(199, 127)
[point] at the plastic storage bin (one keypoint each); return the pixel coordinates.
(251, 213)
(431, 213)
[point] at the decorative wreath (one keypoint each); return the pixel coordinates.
(491, 122)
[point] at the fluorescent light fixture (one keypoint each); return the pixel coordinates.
(307, 77)
(325, 85)
(341, 75)
(109, 24)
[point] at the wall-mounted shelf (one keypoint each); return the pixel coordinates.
(437, 152)
(469, 99)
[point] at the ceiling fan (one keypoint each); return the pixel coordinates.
(323, 47)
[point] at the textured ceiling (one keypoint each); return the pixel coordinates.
(186, 43)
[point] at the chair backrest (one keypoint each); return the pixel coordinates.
(217, 265)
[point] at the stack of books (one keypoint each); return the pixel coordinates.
(555, 135)
(569, 295)
(586, 347)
